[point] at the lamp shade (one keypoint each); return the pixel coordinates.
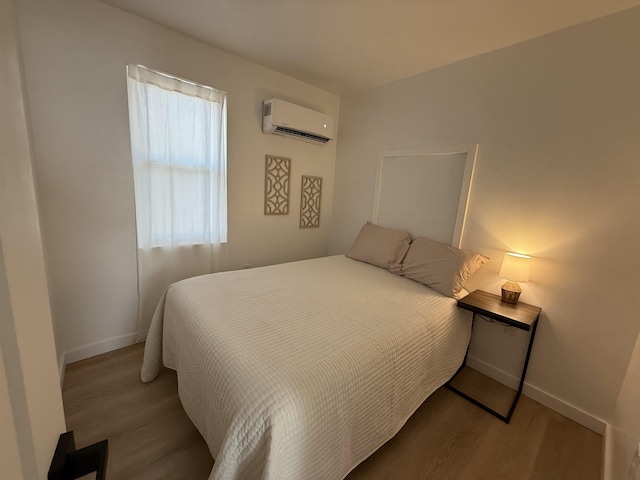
(515, 267)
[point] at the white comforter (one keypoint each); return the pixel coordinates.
(302, 370)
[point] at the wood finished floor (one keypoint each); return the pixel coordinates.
(151, 437)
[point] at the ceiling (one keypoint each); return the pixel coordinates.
(347, 45)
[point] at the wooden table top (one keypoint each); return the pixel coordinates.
(520, 315)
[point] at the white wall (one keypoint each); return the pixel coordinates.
(626, 421)
(31, 414)
(9, 450)
(75, 52)
(557, 176)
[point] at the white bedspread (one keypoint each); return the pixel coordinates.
(302, 370)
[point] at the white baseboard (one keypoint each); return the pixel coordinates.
(607, 453)
(62, 366)
(548, 400)
(96, 348)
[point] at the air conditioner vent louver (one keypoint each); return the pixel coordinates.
(295, 133)
(288, 119)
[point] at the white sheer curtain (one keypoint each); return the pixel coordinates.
(179, 151)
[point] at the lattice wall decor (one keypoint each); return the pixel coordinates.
(277, 178)
(310, 202)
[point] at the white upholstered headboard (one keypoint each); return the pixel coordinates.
(425, 191)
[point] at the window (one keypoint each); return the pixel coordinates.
(179, 152)
(178, 144)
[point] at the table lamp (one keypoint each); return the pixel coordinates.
(515, 268)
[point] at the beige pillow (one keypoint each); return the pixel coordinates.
(381, 246)
(441, 267)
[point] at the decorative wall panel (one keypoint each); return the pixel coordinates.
(310, 202)
(277, 180)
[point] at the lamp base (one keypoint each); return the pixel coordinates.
(511, 292)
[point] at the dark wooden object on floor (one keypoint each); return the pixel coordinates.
(70, 464)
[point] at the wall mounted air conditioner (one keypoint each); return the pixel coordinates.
(284, 118)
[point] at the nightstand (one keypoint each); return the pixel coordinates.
(491, 307)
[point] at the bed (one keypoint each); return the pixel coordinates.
(303, 370)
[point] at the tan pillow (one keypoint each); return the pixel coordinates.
(381, 246)
(441, 267)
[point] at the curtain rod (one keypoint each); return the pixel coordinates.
(168, 75)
